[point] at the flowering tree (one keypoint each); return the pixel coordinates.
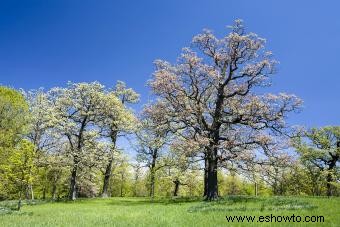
(41, 115)
(208, 98)
(76, 111)
(116, 120)
(41, 132)
(152, 138)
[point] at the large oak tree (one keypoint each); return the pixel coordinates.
(210, 98)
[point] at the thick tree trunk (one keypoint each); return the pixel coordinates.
(153, 172)
(73, 184)
(177, 183)
(206, 166)
(108, 170)
(329, 186)
(212, 184)
(107, 178)
(211, 152)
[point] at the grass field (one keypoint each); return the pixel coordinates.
(170, 212)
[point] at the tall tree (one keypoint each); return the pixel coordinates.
(322, 149)
(76, 111)
(208, 97)
(117, 120)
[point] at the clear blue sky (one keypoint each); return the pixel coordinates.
(46, 43)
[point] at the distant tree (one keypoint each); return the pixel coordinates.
(274, 173)
(121, 177)
(208, 97)
(321, 148)
(151, 143)
(138, 180)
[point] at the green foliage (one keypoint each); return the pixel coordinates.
(13, 115)
(320, 154)
(13, 120)
(41, 163)
(16, 154)
(233, 184)
(19, 170)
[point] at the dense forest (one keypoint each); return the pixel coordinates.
(208, 132)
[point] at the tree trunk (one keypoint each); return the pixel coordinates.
(152, 173)
(54, 191)
(32, 192)
(331, 166)
(108, 170)
(212, 184)
(73, 191)
(107, 178)
(122, 185)
(19, 202)
(256, 189)
(177, 183)
(206, 166)
(152, 183)
(135, 193)
(329, 185)
(44, 193)
(211, 151)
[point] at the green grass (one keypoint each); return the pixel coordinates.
(168, 212)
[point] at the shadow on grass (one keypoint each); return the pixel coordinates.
(146, 201)
(225, 204)
(248, 203)
(4, 211)
(11, 207)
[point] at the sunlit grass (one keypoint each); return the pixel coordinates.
(167, 212)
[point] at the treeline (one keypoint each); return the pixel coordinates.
(38, 160)
(208, 132)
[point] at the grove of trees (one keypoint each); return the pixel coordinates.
(209, 131)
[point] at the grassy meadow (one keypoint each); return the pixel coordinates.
(169, 212)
